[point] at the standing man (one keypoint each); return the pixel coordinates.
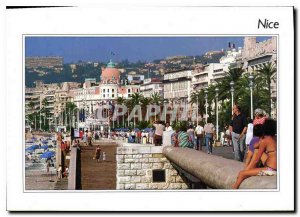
(238, 128)
(199, 135)
(209, 129)
(159, 129)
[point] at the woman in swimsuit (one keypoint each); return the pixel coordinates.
(267, 145)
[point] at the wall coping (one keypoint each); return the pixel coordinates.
(72, 169)
(215, 171)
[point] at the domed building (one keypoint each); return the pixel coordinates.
(110, 74)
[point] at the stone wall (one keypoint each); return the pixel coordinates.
(135, 164)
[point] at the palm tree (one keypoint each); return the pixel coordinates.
(145, 101)
(267, 75)
(121, 101)
(156, 98)
(198, 98)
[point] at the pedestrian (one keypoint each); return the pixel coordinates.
(238, 127)
(191, 132)
(98, 153)
(139, 136)
(199, 132)
(48, 162)
(260, 116)
(104, 156)
(89, 138)
(84, 137)
(168, 127)
(159, 129)
(227, 136)
(151, 135)
(66, 173)
(182, 139)
(249, 133)
(209, 129)
(59, 172)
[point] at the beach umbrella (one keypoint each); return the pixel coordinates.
(45, 147)
(147, 129)
(47, 154)
(45, 142)
(136, 129)
(32, 148)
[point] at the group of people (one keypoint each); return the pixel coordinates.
(260, 138)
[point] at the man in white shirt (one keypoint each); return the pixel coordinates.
(199, 132)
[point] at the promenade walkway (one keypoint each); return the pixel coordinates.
(102, 175)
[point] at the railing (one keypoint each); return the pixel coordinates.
(72, 169)
(214, 171)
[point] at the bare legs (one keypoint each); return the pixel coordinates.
(244, 174)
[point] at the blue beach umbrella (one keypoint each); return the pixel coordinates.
(45, 147)
(45, 142)
(47, 154)
(32, 148)
(136, 129)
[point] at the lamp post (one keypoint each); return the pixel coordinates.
(232, 92)
(205, 91)
(217, 119)
(197, 109)
(251, 77)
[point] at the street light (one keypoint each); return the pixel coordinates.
(217, 121)
(205, 91)
(232, 92)
(251, 77)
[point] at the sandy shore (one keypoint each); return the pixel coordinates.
(39, 180)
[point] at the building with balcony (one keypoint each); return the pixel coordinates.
(151, 86)
(177, 85)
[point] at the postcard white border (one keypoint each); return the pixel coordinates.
(166, 21)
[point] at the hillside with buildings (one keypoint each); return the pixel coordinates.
(53, 70)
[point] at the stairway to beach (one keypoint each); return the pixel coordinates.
(102, 175)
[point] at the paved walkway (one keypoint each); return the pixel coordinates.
(102, 175)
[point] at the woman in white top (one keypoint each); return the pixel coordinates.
(249, 133)
(168, 127)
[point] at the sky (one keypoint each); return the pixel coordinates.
(99, 49)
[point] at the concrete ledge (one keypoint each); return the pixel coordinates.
(216, 172)
(72, 169)
(139, 149)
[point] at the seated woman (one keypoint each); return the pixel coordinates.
(252, 152)
(267, 145)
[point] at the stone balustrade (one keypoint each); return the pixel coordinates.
(214, 171)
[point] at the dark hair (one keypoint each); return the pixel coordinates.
(191, 127)
(183, 128)
(258, 130)
(270, 127)
(238, 107)
(250, 121)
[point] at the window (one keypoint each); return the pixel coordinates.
(113, 95)
(113, 90)
(159, 175)
(103, 95)
(128, 90)
(103, 90)
(107, 90)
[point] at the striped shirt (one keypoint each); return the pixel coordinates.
(183, 140)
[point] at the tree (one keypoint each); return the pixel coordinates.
(267, 75)
(156, 98)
